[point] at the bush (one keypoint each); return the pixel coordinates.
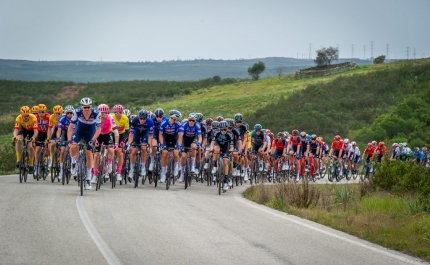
(7, 159)
(379, 59)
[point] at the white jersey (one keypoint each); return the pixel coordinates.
(355, 151)
(346, 148)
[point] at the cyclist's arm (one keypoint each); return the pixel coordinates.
(36, 132)
(70, 131)
(180, 136)
(96, 135)
(15, 133)
(199, 139)
(160, 138)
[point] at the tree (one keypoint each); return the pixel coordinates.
(379, 59)
(326, 55)
(256, 70)
(279, 70)
(216, 78)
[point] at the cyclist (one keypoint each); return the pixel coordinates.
(294, 146)
(158, 118)
(106, 138)
(42, 136)
(123, 126)
(418, 156)
(381, 151)
(237, 141)
(141, 130)
(52, 131)
(85, 124)
(369, 152)
(244, 131)
(25, 126)
(222, 144)
(35, 110)
(347, 146)
(168, 137)
(305, 145)
(279, 148)
(61, 136)
(208, 140)
(190, 136)
(336, 150)
(259, 144)
(314, 147)
(395, 151)
(354, 155)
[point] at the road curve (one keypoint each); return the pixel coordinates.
(45, 223)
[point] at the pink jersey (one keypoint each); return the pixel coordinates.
(108, 125)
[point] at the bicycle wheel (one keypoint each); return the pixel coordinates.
(145, 177)
(136, 171)
(81, 174)
(186, 174)
(22, 166)
(156, 173)
(219, 183)
(169, 173)
(53, 168)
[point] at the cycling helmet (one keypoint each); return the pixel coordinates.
(143, 113)
(308, 137)
(69, 108)
(152, 116)
(302, 134)
(174, 114)
(238, 117)
(35, 109)
(313, 136)
(215, 124)
(222, 124)
(417, 149)
(219, 118)
(395, 145)
(319, 139)
(281, 134)
(374, 143)
(424, 149)
(369, 145)
(127, 112)
(199, 117)
(400, 145)
(346, 141)
(42, 107)
(295, 132)
(103, 108)
(353, 143)
(57, 109)
(86, 101)
(337, 138)
(257, 127)
(159, 112)
(268, 131)
(25, 110)
(118, 108)
(381, 144)
(405, 144)
(230, 122)
(209, 121)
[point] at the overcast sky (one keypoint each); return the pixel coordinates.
(156, 30)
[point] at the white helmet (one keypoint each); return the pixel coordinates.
(86, 101)
(126, 112)
(346, 141)
(69, 108)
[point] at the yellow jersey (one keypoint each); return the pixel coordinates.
(248, 136)
(29, 125)
(122, 124)
(53, 121)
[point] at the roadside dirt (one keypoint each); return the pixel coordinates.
(69, 92)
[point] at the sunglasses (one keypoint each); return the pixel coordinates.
(67, 113)
(158, 116)
(142, 118)
(238, 121)
(41, 111)
(192, 120)
(86, 107)
(224, 129)
(230, 128)
(25, 116)
(118, 113)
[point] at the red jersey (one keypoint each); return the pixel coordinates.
(295, 142)
(43, 122)
(280, 146)
(337, 146)
(381, 150)
(368, 151)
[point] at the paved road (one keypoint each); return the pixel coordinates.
(44, 223)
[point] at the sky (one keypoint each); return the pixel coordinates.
(157, 30)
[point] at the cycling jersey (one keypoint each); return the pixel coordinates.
(279, 145)
(168, 129)
(147, 126)
(337, 145)
(43, 122)
(29, 125)
(108, 125)
(304, 144)
(53, 121)
(223, 139)
(314, 146)
(346, 148)
(248, 137)
(258, 139)
(236, 137)
(190, 132)
(157, 125)
(122, 124)
(204, 129)
(243, 128)
(294, 141)
(381, 150)
(92, 121)
(368, 151)
(63, 123)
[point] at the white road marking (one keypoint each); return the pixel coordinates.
(104, 248)
(286, 217)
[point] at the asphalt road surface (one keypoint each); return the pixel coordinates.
(45, 223)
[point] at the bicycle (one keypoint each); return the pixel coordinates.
(126, 168)
(311, 173)
(256, 174)
(137, 166)
(170, 168)
(81, 165)
(55, 166)
(24, 166)
(333, 174)
(208, 171)
(367, 171)
(42, 163)
(155, 176)
(188, 175)
(102, 166)
(67, 165)
(220, 174)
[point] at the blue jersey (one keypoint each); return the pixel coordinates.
(157, 124)
(168, 129)
(92, 121)
(190, 132)
(63, 123)
(147, 126)
(419, 155)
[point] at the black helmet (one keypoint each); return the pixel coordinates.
(238, 117)
(143, 113)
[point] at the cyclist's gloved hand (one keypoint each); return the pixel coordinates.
(92, 142)
(122, 144)
(162, 146)
(116, 146)
(198, 144)
(13, 139)
(179, 147)
(33, 139)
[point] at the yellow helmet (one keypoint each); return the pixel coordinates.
(58, 109)
(35, 109)
(42, 107)
(25, 110)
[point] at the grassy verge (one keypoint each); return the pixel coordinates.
(7, 156)
(379, 217)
